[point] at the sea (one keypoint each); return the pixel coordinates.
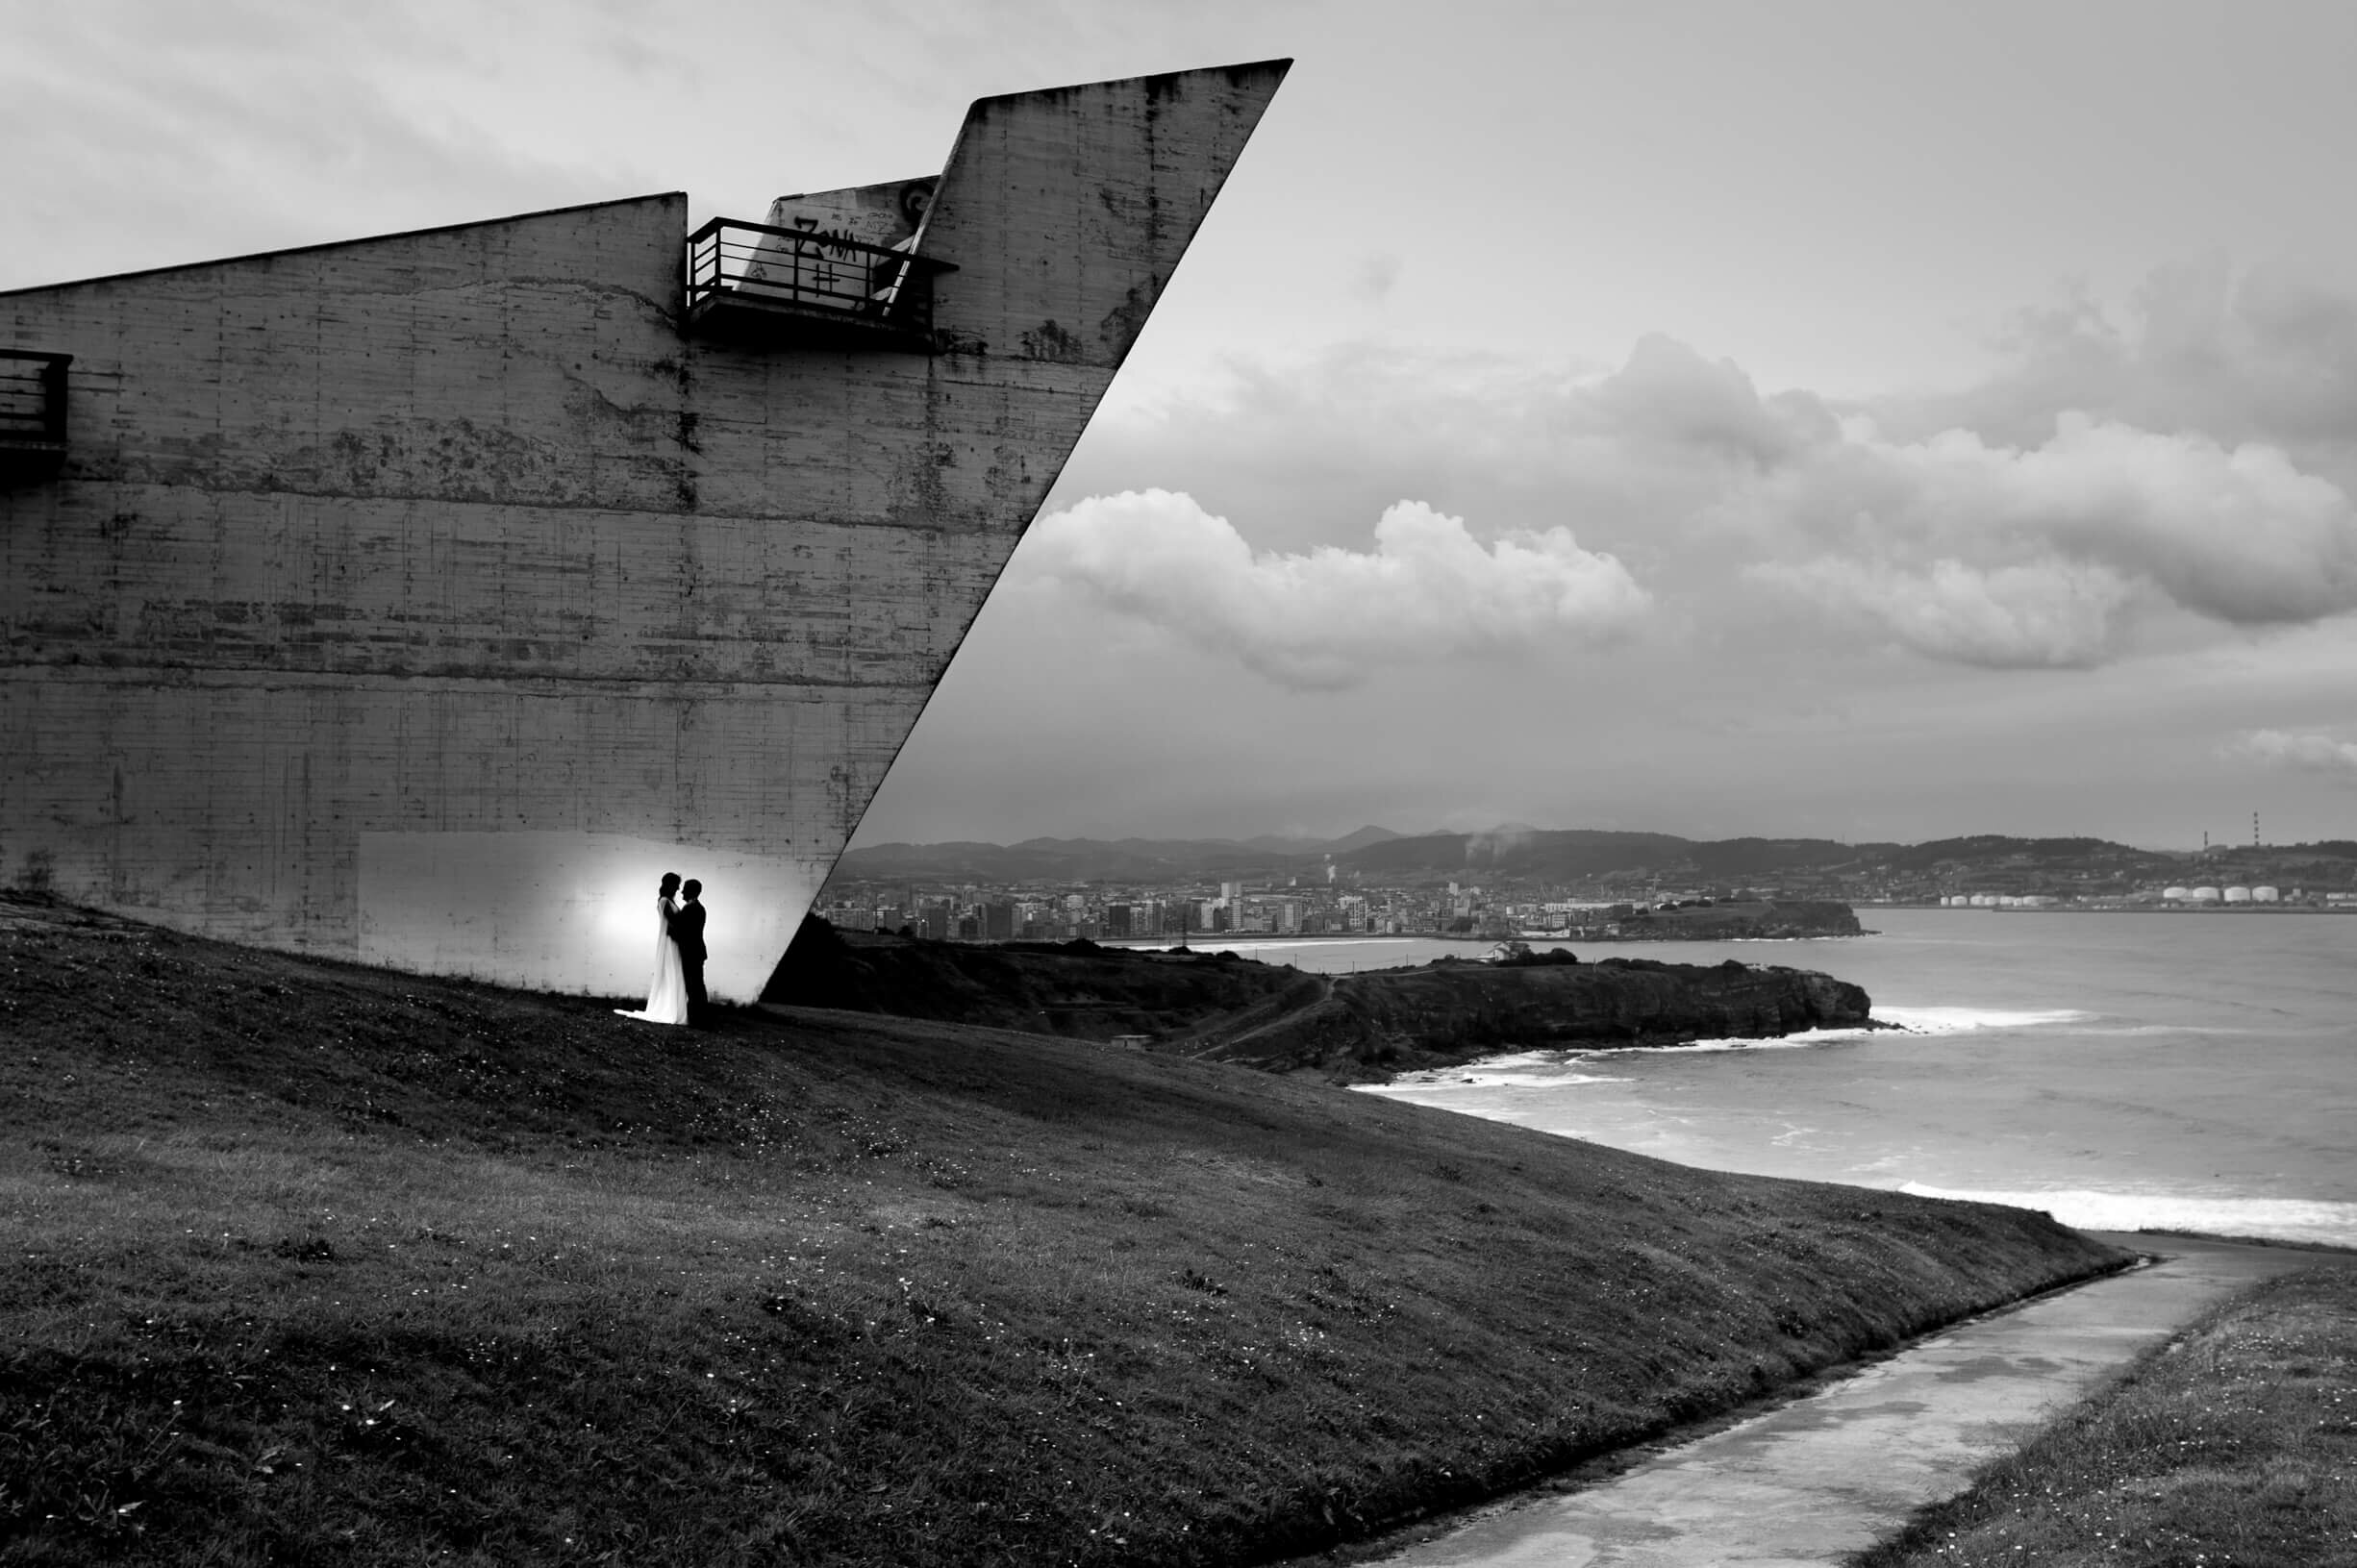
(2121, 1071)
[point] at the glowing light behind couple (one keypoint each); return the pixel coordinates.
(570, 909)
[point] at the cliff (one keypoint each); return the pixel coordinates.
(1225, 1009)
(1372, 1025)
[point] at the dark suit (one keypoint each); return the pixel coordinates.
(688, 931)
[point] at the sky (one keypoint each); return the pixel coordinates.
(1863, 420)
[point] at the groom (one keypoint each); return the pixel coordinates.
(688, 931)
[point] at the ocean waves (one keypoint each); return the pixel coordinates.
(2294, 1219)
(1964, 1020)
(1522, 1070)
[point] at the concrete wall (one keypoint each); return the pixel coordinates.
(880, 214)
(422, 598)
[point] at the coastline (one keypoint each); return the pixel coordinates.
(2115, 1074)
(548, 1284)
(2117, 908)
(1243, 946)
(1500, 1085)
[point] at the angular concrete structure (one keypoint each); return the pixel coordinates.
(421, 599)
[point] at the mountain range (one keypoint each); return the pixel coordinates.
(1532, 853)
(1099, 859)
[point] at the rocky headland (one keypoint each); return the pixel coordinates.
(1375, 1024)
(1361, 1027)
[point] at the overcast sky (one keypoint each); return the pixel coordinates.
(1867, 420)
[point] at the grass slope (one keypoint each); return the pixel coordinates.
(2235, 1443)
(1071, 988)
(313, 1262)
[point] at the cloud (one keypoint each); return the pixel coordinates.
(2055, 614)
(1667, 393)
(245, 125)
(1321, 619)
(2267, 354)
(2305, 753)
(2046, 540)
(2020, 532)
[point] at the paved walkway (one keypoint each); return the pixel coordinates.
(1827, 1476)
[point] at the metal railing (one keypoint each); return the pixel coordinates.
(33, 399)
(807, 271)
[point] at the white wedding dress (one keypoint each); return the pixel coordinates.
(666, 995)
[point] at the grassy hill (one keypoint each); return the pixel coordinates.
(313, 1262)
(1073, 988)
(2236, 1442)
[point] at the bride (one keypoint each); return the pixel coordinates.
(666, 995)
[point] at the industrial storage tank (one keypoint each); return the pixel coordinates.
(2205, 895)
(2266, 895)
(2238, 895)
(2176, 895)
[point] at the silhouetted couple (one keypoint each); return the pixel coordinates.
(676, 995)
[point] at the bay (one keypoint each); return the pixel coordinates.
(2117, 1070)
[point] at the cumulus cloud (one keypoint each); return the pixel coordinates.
(2263, 354)
(2005, 554)
(2022, 531)
(2305, 753)
(1321, 619)
(2054, 615)
(1667, 393)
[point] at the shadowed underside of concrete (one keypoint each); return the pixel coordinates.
(1826, 1477)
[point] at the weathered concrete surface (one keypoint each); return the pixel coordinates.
(1828, 1475)
(422, 598)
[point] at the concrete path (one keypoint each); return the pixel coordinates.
(1827, 1476)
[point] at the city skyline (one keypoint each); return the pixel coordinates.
(1612, 906)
